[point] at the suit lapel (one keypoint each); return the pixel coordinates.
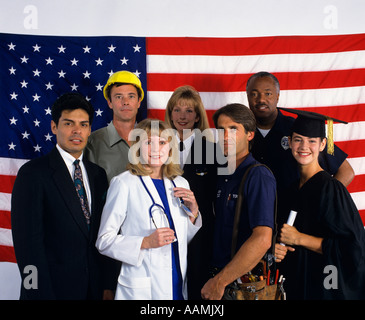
(92, 184)
(64, 183)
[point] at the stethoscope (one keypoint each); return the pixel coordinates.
(154, 204)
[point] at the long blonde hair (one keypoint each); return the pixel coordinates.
(172, 168)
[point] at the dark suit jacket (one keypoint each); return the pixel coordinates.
(50, 231)
(201, 174)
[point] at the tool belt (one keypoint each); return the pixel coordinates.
(255, 285)
(253, 291)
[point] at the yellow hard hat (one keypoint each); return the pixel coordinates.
(123, 77)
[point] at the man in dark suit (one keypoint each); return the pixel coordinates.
(54, 233)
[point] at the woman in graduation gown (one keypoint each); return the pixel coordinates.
(144, 222)
(324, 256)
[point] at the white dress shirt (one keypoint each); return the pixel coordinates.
(69, 161)
(187, 146)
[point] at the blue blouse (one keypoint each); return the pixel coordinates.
(176, 271)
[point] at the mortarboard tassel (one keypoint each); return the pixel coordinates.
(330, 143)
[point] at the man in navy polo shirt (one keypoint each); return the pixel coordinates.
(257, 213)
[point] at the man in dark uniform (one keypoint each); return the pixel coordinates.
(270, 145)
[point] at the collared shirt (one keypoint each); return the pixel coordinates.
(257, 208)
(108, 150)
(69, 161)
(187, 146)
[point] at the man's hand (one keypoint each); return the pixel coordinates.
(213, 289)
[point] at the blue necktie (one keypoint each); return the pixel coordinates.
(81, 192)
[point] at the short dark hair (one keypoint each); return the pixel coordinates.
(238, 113)
(118, 84)
(264, 74)
(71, 101)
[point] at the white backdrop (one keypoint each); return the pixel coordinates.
(203, 18)
(200, 18)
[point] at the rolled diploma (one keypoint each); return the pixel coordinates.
(290, 222)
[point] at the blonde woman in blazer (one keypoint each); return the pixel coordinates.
(148, 247)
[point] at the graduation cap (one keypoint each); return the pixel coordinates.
(312, 124)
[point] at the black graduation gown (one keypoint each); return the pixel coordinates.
(325, 209)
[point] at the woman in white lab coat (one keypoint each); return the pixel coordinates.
(145, 222)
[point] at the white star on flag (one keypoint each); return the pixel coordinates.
(13, 120)
(36, 48)
(36, 97)
(124, 60)
(12, 70)
(24, 59)
(99, 62)
(137, 48)
(87, 49)
(25, 135)
(112, 48)
(61, 49)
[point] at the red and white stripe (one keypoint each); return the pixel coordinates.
(324, 74)
(8, 170)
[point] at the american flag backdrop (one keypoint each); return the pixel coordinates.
(325, 74)
(34, 71)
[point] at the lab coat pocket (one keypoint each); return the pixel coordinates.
(138, 288)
